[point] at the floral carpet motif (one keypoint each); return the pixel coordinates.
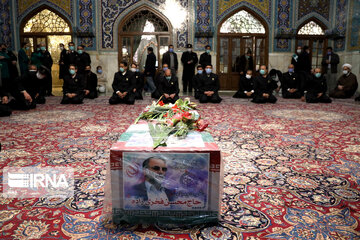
(292, 170)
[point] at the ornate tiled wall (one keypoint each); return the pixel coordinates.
(340, 23)
(321, 7)
(5, 24)
(203, 22)
(86, 23)
(354, 31)
(224, 7)
(182, 34)
(24, 7)
(283, 21)
(208, 14)
(111, 9)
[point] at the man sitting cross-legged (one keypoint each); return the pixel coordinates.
(123, 85)
(169, 87)
(73, 88)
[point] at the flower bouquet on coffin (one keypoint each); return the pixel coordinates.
(171, 119)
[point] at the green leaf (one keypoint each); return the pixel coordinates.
(159, 134)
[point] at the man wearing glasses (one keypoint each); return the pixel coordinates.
(151, 192)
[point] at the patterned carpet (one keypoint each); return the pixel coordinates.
(292, 170)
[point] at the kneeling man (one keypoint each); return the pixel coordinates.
(291, 84)
(264, 86)
(209, 86)
(123, 85)
(316, 88)
(169, 87)
(73, 88)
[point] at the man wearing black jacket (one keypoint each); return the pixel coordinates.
(304, 61)
(70, 57)
(123, 85)
(189, 60)
(170, 58)
(316, 88)
(196, 80)
(295, 59)
(329, 64)
(46, 60)
(169, 87)
(5, 110)
(82, 59)
(291, 83)
(209, 86)
(205, 58)
(14, 73)
(73, 88)
(139, 81)
(150, 70)
(91, 83)
(159, 75)
(264, 86)
(28, 89)
(244, 63)
(62, 68)
(246, 86)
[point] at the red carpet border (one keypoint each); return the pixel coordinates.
(292, 170)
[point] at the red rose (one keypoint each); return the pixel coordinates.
(201, 125)
(177, 116)
(169, 122)
(186, 115)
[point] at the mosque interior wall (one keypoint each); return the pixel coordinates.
(102, 18)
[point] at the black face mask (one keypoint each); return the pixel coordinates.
(3, 49)
(87, 71)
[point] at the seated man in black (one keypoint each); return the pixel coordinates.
(291, 84)
(123, 85)
(346, 85)
(316, 88)
(196, 81)
(209, 86)
(246, 86)
(74, 87)
(276, 76)
(5, 110)
(169, 87)
(159, 75)
(29, 89)
(139, 81)
(91, 83)
(264, 86)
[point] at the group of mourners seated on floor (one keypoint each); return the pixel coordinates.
(128, 85)
(309, 87)
(29, 89)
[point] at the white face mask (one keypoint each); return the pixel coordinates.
(345, 72)
(133, 69)
(39, 75)
(248, 76)
(298, 51)
(189, 50)
(153, 176)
